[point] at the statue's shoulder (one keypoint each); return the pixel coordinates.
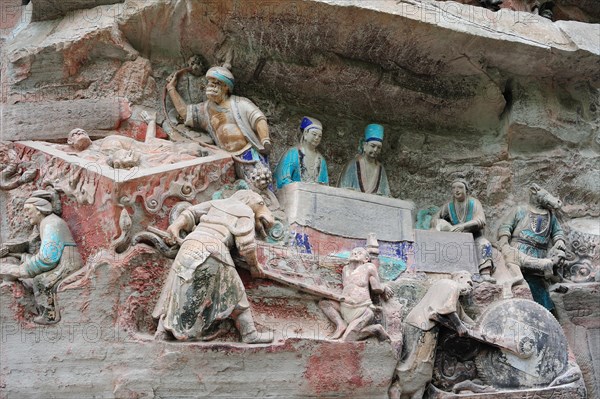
(233, 207)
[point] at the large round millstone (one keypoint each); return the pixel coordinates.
(534, 331)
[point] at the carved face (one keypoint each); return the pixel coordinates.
(79, 139)
(459, 191)
(312, 137)
(359, 255)
(33, 215)
(464, 281)
(216, 90)
(543, 199)
(263, 219)
(372, 149)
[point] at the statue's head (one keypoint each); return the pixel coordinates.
(543, 199)
(261, 176)
(263, 219)
(220, 84)
(79, 139)
(359, 254)
(312, 130)
(460, 189)
(373, 141)
(464, 280)
(124, 159)
(36, 209)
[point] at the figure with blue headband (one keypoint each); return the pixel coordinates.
(303, 162)
(235, 124)
(365, 173)
(56, 258)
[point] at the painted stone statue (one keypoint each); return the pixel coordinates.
(531, 237)
(303, 162)
(365, 173)
(440, 305)
(464, 214)
(234, 123)
(121, 152)
(56, 258)
(353, 318)
(203, 287)
(13, 172)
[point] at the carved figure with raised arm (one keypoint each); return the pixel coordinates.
(303, 162)
(235, 124)
(531, 237)
(353, 318)
(203, 287)
(464, 214)
(365, 172)
(56, 258)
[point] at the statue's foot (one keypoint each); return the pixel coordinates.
(381, 334)
(339, 331)
(256, 338)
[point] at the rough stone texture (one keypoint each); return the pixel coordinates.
(505, 98)
(347, 213)
(579, 316)
(459, 89)
(100, 348)
(442, 252)
(99, 117)
(50, 9)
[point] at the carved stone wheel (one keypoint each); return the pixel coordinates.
(530, 327)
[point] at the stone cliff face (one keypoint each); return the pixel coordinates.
(504, 98)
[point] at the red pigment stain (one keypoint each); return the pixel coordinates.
(335, 366)
(281, 308)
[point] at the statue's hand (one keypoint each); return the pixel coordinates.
(173, 232)
(459, 228)
(387, 293)
(462, 330)
(172, 81)
(267, 148)
(148, 116)
(560, 245)
(257, 272)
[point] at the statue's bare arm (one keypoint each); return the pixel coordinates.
(178, 102)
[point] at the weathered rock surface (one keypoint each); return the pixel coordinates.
(579, 316)
(50, 9)
(506, 99)
(460, 89)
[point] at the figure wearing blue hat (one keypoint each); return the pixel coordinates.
(303, 162)
(235, 123)
(365, 173)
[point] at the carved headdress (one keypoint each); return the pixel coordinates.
(222, 74)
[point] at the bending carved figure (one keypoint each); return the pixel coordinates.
(531, 238)
(203, 287)
(353, 318)
(439, 306)
(56, 259)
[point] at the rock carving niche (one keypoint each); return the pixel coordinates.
(309, 290)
